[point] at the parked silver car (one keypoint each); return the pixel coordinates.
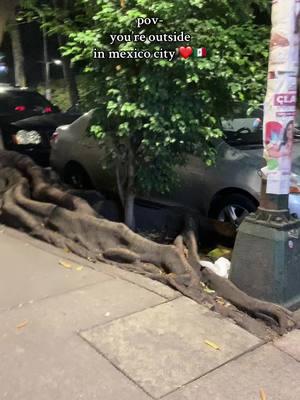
(226, 191)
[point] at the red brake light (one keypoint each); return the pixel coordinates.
(48, 109)
(54, 137)
(20, 108)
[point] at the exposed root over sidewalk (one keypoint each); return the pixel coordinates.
(29, 201)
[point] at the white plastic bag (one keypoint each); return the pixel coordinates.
(221, 267)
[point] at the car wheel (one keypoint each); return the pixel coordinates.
(233, 208)
(77, 177)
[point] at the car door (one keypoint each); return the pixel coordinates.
(194, 178)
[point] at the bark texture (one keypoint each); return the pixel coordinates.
(7, 10)
(31, 202)
(17, 49)
(69, 75)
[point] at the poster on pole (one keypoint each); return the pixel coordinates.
(281, 98)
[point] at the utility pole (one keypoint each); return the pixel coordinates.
(280, 104)
(266, 256)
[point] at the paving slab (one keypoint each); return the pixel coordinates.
(267, 369)
(28, 273)
(50, 368)
(164, 347)
(149, 284)
(152, 285)
(42, 357)
(79, 309)
(290, 343)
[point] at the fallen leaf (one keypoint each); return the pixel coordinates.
(212, 344)
(262, 394)
(209, 291)
(22, 325)
(65, 264)
(220, 300)
(220, 252)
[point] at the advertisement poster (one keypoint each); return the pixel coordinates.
(281, 98)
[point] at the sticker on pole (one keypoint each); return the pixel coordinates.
(281, 98)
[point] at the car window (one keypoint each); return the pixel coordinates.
(244, 111)
(18, 101)
(246, 128)
(240, 118)
(243, 127)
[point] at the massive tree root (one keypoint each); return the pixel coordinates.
(29, 201)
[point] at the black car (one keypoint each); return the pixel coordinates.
(27, 122)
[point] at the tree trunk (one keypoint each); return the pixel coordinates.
(120, 185)
(7, 9)
(17, 50)
(129, 211)
(130, 192)
(69, 76)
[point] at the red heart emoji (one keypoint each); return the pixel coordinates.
(185, 52)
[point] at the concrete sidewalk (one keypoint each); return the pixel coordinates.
(70, 329)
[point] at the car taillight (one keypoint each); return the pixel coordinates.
(20, 108)
(48, 110)
(54, 137)
(295, 189)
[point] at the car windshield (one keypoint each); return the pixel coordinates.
(244, 127)
(21, 101)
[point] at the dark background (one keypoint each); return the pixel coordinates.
(32, 41)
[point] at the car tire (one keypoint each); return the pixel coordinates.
(76, 176)
(233, 208)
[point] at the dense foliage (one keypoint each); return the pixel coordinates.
(154, 112)
(171, 107)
